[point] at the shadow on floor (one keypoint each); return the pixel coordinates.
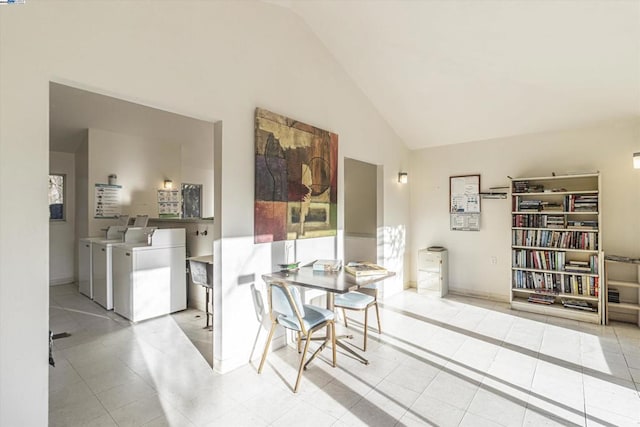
(192, 322)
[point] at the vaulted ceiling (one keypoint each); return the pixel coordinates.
(447, 72)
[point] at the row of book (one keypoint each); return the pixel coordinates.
(531, 205)
(556, 239)
(553, 260)
(551, 221)
(542, 260)
(527, 187)
(557, 283)
(568, 203)
(581, 203)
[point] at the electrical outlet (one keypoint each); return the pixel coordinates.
(494, 260)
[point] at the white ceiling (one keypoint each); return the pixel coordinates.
(447, 72)
(73, 111)
(439, 72)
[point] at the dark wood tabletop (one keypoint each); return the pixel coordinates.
(337, 282)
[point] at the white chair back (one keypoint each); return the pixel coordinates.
(198, 273)
(284, 298)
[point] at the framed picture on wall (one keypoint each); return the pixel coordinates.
(191, 200)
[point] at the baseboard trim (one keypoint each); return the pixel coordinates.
(64, 281)
(471, 293)
(482, 295)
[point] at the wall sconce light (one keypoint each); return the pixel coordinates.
(168, 184)
(403, 177)
(636, 160)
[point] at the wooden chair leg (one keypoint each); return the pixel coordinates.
(366, 328)
(299, 342)
(378, 316)
(333, 342)
(206, 307)
(266, 347)
(344, 316)
(302, 359)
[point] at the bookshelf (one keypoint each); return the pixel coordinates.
(622, 289)
(556, 246)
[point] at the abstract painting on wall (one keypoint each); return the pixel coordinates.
(296, 179)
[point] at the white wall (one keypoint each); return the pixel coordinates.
(141, 166)
(82, 194)
(62, 233)
(197, 168)
(224, 60)
(360, 211)
(606, 148)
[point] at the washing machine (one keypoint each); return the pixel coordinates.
(101, 265)
(149, 279)
(85, 279)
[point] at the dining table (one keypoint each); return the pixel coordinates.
(332, 282)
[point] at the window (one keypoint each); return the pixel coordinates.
(191, 200)
(56, 197)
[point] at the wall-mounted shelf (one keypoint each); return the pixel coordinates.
(493, 195)
(625, 300)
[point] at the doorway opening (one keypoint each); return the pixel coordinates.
(362, 210)
(94, 137)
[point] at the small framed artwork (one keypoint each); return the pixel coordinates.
(191, 200)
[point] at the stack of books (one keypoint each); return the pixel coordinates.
(578, 267)
(541, 299)
(553, 221)
(520, 186)
(361, 269)
(578, 305)
(589, 225)
(530, 206)
(327, 265)
(527, 187)
(613, 295)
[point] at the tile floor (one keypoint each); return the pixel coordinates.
(446, 362)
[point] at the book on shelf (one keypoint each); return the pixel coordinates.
(541, 299)
(620, 258)
(579, 305)
(577, 268)
(613, 295)
(327, 265)
(361, 269)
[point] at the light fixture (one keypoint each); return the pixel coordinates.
(403, 177)
(636, 160)
(168, 184)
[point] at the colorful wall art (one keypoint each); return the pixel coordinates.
(296, 179)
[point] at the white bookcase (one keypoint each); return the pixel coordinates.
(556, 246)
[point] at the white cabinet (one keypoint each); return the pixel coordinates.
(433, 271)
